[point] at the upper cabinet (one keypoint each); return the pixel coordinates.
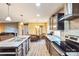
(71, 11)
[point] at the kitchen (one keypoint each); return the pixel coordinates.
(65, 30)
(58, 29)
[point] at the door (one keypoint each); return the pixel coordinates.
(25, 29)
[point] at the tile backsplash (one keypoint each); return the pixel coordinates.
(72, 32)
(69, 32)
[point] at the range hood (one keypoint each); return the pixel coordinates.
(69, 17)
(71, 11)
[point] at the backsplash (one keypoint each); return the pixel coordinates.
(72, 32)
(69, 32)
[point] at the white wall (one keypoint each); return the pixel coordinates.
(74, 24)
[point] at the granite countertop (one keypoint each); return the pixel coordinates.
(13, 42)
(50, 37)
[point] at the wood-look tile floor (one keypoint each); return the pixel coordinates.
(38, 48)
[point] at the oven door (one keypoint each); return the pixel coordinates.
(73, 45)
(67, 48)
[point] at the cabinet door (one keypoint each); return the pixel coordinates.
(25, 48)
(19, 51)
(47, 44)
(28, 45)
(53, 52)
(25, 29)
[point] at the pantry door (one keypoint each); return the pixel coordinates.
(25, 29)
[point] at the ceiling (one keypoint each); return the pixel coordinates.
(29, 11)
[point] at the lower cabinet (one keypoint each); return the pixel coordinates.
(19, 50)
(48, 44)
(51, 49)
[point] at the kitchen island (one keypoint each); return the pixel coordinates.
(16, 46)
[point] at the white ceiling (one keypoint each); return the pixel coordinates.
(29, 11)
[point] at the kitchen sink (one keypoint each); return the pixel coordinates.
(16, 40)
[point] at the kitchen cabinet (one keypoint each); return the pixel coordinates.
(51, 48)
(51, 23)
(53, 51)
(48, 45)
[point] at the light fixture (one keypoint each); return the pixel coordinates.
(37, 27)
(22, 19)
(8, 17)
(21, 23)
(37, 4)
(38, 15)
(54, 26)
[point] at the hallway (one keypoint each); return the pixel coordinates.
(38, 48)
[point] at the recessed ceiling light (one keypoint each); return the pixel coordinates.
(37, 4)
(21, 23)
(37, 15)
(54, 26)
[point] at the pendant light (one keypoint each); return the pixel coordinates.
(21, 19)
(8, 17)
